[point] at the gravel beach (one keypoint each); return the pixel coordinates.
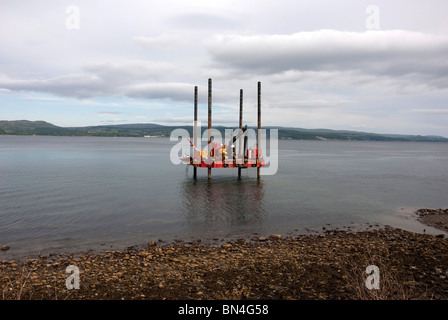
(437, 218)
(329, 265)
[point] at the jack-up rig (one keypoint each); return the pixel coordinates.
(217, 154)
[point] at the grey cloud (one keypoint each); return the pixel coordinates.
(74, 85)
(172, 91)
(85, 86)
(177, 91)
(127, 78)
(126, 71)
(394, 53)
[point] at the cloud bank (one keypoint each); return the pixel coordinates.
(318, 65)
(392, 53)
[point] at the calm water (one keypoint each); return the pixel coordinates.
(73, 193)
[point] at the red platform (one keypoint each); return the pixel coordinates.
(219, 158)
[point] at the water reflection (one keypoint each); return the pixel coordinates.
(230, 201)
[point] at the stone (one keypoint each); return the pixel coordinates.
(4, 248)
(275, 236)
(152, 244)
(240, 241)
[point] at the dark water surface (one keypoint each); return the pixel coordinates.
(75, 193)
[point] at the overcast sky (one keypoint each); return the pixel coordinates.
(375, 66)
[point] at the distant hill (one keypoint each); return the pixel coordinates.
(25, 127)
(327, 134)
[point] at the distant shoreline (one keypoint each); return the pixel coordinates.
(25, 127)
(167, 137)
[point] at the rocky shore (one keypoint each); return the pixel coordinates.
(329, 265)
(437, 218)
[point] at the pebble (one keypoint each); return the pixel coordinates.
(152, 244)
(305, 267)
